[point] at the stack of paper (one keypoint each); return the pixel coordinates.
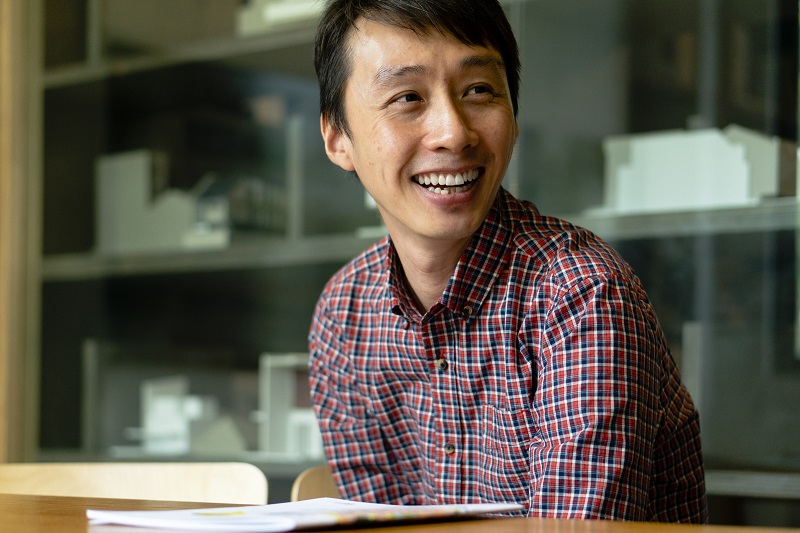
(316, 513)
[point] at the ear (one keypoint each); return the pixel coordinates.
(337, 145)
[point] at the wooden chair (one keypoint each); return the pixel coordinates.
(314, 482)
(226, 483)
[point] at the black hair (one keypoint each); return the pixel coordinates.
(472, 22)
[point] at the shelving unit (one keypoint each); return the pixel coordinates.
(192, 309)
(769, 215)
(259, 253)
(295, 34)
(728, 275)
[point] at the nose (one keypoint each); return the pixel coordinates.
(449, 128)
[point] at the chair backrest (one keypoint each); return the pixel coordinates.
(227, 483)
(314, 482)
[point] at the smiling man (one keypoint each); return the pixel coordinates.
(482, 352)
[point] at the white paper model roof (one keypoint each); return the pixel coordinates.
(688, 170)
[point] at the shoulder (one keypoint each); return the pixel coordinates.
(563, 252)
(360, 280)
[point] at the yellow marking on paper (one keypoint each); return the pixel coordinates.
(221, 513)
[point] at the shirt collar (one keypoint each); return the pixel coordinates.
(475, 274)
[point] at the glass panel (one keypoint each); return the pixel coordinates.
(654, 123)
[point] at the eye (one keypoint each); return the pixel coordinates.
(408, 98)
(482, 90)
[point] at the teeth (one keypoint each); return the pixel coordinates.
(447, 183)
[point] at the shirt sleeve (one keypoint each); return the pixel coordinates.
(354, 445)
(596, 403)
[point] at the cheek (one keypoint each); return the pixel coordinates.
(383, 137)
(388, 148)
(505, 135)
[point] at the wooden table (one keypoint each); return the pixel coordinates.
(54, 514)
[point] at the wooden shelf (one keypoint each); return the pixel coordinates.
(753, 484)
(770, 215)
(249, 254)
(283, 36)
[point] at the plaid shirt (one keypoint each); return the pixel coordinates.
(540, 377)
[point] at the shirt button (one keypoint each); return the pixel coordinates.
(441, 364)
(449, 448)
(467, 311)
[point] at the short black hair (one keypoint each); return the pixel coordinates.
(473, 22)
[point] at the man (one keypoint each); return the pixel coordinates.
(482, 352)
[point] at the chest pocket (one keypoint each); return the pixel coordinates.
(505, 453)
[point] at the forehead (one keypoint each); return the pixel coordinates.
(374, 46)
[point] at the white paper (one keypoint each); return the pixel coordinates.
(316, 513)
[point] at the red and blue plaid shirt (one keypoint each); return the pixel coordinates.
(540, 377)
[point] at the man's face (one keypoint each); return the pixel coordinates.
(432, 130)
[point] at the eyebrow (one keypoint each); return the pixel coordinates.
(483, 61)
(385, 76)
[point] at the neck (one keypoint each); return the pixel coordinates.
(428, 267)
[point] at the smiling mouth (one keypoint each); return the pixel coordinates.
(448, 183)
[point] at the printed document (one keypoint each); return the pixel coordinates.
(316, 513)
